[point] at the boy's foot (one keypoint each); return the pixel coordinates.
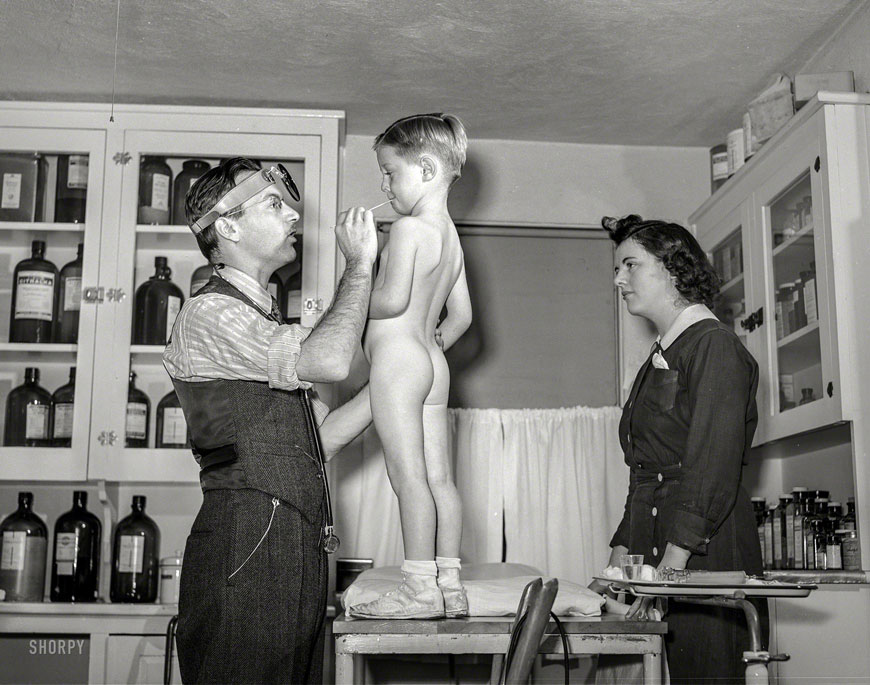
(418, 596)
(455, 599)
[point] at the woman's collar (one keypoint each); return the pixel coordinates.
(689, 316)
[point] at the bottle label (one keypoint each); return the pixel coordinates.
(173, 306)
(810, 301)
(768, 545)
(833, 556)
(763, 546)
(36, 426)
(789, 537)
(174, 426)
(160, 191)
(63, 420)
(72, 294)
(13, 550)
(35, 295)
(131, 555)
(77, 172)
(719, 163)
(65, 550)
(273, 289)
(294, 304)
(137, 415)
(11, 191)
(799, 542)
(777, 541)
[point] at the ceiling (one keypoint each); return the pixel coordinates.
(639, 72)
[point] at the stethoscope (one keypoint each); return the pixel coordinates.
(331, 541)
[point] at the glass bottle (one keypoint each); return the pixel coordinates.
(191, 170)
(200, 277)
(792, 513)
(22, 186)
(72, 189)
(850, 549)
(849, 521)
(76, 566)
(759, 507)
(28, 413)
(833, 550)
(277, 291)
(138, 416)
(293, 295)
(835, 513)
(768, 537)
(69, 301)
(62, 412)
(819, 534)
(155, 190)
(157, 303)
(34, 298)
(780, 548)
(135, 557)
(22, 565)
(171, 425)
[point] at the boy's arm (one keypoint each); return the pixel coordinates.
(392, 297)
(345, 423)
(458, 317)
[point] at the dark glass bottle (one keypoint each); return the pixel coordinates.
(34, 298)
(171, 424)
(191, 170)
(69, 301)
(25, 540)
(293, 296)
(276, 290)
(138, 415)
(155, 190)
(28, 413)
(72, 189)
(158, 301)
(850, 520)
(75, 570)
(62, 412)
(135, 557)
(200, 277)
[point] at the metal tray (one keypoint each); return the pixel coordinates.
(757, 588)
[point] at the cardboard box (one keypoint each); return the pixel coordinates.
(807, 85)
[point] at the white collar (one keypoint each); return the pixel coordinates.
(249, 286)
(690, 315)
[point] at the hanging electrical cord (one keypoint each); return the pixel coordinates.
(115, 65)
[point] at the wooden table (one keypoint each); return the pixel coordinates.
(608, 634)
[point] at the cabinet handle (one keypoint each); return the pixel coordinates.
(818, 164)
(107, 437)
(93, 295)
(830, 388)
(753, 321)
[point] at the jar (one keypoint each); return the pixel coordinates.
(807, 211)
(191, 170)
(170, 578)
(850, 550)
(155, 190)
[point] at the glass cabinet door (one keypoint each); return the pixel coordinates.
(160, 266)
(49, 256)
(802, 364)
(727, 257)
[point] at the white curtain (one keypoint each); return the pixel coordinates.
(549, 482)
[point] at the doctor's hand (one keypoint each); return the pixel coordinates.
(641, 610)
(356, 236)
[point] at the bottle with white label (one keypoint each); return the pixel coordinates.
(155, 190)
(62, 402)
(28, 413)
(171, 428)
(22, 564)
(72, 189)
(34, 298)
(138, 415)
(69, 300)
(157, 303)
(135, 557)
(76, 567)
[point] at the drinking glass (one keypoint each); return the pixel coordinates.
(631, 565)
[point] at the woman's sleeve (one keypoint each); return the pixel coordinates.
(720, 382)
(623, 532)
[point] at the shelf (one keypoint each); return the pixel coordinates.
(163, 228)
(797, 335)
(31, 226)
(148, 350)
(802, 238)
(726, 288)
(88, 609)
(20, 352)
(800, 350)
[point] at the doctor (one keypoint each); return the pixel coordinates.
(253, 590)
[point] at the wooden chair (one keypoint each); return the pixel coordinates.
(527, 632)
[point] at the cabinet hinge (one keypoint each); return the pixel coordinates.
(115, 294)
(312, 306)
(93, 295)
(121, 158)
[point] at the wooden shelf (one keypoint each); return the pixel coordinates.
(21, 352)
(726, 288)
(797, 335)
(163, 228)
(148, 350)
(798, 239)
(40, 226)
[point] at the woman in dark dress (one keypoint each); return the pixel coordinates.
(686, 430)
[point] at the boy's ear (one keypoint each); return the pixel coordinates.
(227, 229)
(429, 167)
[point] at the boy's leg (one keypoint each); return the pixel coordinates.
(448, 505)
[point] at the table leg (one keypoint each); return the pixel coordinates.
(361, 671)
(344, 668)
(652, 666)
(495, 673)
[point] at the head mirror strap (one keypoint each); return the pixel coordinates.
(234, 197)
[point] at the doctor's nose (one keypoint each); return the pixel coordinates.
(290, 213)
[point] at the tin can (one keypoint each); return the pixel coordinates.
(718, 166)
(170, 578)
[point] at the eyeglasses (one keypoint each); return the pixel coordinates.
(233, 199)
(278, 204)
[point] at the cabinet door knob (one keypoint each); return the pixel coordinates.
(830, 388)
(107, 437)
(93, 295)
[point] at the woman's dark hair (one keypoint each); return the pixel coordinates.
(204, 194)
(676, 248)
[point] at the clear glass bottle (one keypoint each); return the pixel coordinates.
(819, 534)
(138, 415)
(850, 549)
(191, 170)
(71, 193)
(200, 277)
(792, 513)
(780, 544)
(75, 569)
(62, 408)
(155, 190)
(22, 564)
(28, 413)
(22, 185)
(157, 303)
(135, 557)
(171, 424)
(34, 298)
(833, 551)
(768, 537)
(759, 507)
(69, 301)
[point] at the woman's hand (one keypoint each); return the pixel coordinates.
(641, 610)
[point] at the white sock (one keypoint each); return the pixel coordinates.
(422, 568)
(447, 562)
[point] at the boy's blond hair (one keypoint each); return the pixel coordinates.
(442, 135)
